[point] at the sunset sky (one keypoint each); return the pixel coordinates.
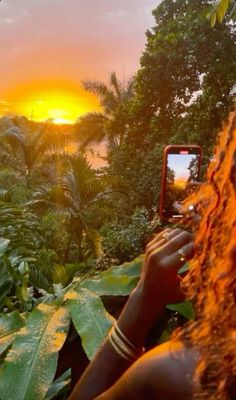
(180, 163)
(48, 46)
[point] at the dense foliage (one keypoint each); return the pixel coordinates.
(183, 92)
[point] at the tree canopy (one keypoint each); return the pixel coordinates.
(183, 92)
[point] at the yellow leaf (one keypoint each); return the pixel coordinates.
(213, 19)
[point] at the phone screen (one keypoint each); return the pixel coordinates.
(182, 170)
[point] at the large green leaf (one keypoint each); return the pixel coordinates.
(90, 319)
(6, 280)
(9, 325)
(117, 281)
(32, 361)
(132, 268)
(5, 289)
(3, 245)
(59, 385)
(185, 308)
(110, 285)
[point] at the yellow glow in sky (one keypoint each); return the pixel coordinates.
(60, 104)
(181, 182)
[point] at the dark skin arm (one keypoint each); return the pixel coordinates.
(158, 285)
(164, 373)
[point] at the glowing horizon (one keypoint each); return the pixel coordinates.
(61, 102)
(47, 51)
(181, 181)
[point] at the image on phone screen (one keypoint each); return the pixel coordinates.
(181, 171)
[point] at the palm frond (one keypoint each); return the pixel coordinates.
(129, 89)
(96, 87)
(81, 168)
(5, 195)
(113, 98)
(75, 182)
(117, 85)
(22, 123)
(31, 140)
(39, 280)
(51, 200)
(91, 129)
(106, 95)
(9, 213)
(14, 137)
(93, 244)
(112, 142)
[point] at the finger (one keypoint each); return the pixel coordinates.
(175, 260)
(160, 235)
(176, 243)
(188, 250)
(158, 238)
(175, 239)
(163, 238)
(173, 233)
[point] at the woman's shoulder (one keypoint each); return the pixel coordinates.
(168, 370)
(165, 372)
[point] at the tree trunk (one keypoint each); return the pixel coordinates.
(67, 249)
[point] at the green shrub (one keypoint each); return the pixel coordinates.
(125, 242)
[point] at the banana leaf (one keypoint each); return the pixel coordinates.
(30, 365)
(59, 386)
(9, 325)
(185, 308)
(3, 245)
(116, 281)
(90, 319)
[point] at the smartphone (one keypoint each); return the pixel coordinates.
(181, 169)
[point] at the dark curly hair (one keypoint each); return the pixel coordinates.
(211, 281)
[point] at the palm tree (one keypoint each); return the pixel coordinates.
(71, 198)
(109, 126)
(27, 142)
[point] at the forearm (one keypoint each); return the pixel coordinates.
(139, 314)
(135, 322)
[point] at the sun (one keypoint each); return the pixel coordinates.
(62, 121)
(58, 106)
(61, 104)
(181, 182)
